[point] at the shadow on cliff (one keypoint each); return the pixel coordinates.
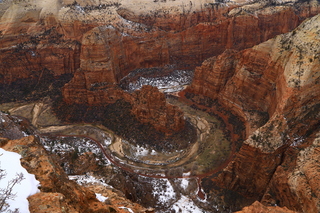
(38, 86)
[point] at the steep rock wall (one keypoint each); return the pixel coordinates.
(107, 40)
(279, 78)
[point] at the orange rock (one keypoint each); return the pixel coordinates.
(48, 202)
(50, 175)
(257, 207)
(150, 106)
(278, 161)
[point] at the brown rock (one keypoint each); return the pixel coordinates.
(250, 171)
(257, 207)
(110, 53)
(279, 77)
(51, 176)
(48, 202)
(108, 42)
(58, 193)
(150, 106)
(211, 77)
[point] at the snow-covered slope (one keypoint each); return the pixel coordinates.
(12, 169)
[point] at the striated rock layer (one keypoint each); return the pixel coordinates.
(274, 88)
(150, 106)
(99, 43)
(134, 40)
(103, 41)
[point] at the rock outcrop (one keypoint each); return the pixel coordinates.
(100, 43)
(274, 87)
(103, 42)
(58, 193)
(141, 39)
(150, 106)
(258, 207)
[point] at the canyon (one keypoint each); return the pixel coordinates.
(242, 130)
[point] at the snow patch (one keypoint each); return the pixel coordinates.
(101, 198)
(153, 152)
(184, 183)
(187, 174)
(186, 205)
(172, 83)
(88, 179)
(75, 144)
(126, 208)
(79, 9)
(297, 141)
(141, 151)
(10, 164)
(163, 191)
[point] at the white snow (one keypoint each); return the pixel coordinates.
(187, 174)
(141, 151)
(172, 83)
(186, 205)
(100, 197)
(184, 183)
(88, 179)
(297, 141)
(79, 9)
(10, 163)
(81, 145)
(163, 191)
(126, 208)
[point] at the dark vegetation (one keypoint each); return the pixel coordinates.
(118, 118)
(87, 8)
(41, 81)
(35, 88)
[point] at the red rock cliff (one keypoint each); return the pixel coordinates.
(278, 78)
(150, 106)
(107, 41)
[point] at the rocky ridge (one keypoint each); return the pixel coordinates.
(57, 192)
(105, 48)
(45, 44)
(99, 43)
(274, 87)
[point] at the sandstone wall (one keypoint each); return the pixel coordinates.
(278, 77)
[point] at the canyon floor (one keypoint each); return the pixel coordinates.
(212, 150)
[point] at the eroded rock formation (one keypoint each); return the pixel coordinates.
(58, 193)
(258, 207)
(276, 82)
(150, 107)
(273, 87)
(100, 43)
(107, 40)
(110, 52)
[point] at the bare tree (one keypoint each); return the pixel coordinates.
(6, 193)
